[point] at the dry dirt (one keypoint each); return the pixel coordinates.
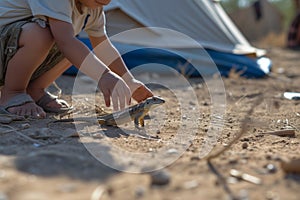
(49, 161)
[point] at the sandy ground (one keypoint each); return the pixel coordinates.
(42, 160)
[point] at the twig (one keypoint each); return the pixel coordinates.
(221, 180)
(293, 126)
(240, 134)
(245, 177)
(282, 133)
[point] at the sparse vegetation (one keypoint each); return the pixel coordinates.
(286, 7)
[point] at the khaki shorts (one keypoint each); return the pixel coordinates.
(9, 39)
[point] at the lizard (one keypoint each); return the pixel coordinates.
(134, 113)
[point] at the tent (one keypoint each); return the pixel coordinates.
(169, 32)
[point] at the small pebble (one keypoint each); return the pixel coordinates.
(269, 157)
(195, 158)
(205, 104)
(110, 190)
(172, 151)
(245, 145)
(271, 168)
(140, 192)
(245, 140)
(160, 178)
(233, 161)
(192, 103)
(25, 126)
(190, 184)
(36, 145)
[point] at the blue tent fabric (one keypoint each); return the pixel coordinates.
(249, 67)
(135, 56)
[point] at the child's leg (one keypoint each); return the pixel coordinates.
(34, 45)
(36, 88)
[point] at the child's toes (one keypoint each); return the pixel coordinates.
(39, 113)
(28, 110)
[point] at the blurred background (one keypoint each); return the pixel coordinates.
(265, 22)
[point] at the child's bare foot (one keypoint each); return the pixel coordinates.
(28, 109)
(20, 104)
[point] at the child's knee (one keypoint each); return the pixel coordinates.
(37, 37)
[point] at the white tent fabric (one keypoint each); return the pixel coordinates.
(203, 20)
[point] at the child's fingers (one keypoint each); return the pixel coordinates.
(116, 90)
(106, 95)
(128, 99)
(122, 95)
(122, 100)
(115, 101)
(126, 95)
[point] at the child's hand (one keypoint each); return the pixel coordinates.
(139, 91)
(112, 86)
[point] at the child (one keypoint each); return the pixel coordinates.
(38, 44)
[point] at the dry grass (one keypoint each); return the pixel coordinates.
(272, 40)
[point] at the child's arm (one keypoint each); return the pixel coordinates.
(105, 51)
(78, 54)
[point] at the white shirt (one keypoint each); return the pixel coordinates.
(64, 10)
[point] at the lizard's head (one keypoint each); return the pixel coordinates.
(153, 102)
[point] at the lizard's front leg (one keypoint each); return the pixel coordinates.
(142, 121)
